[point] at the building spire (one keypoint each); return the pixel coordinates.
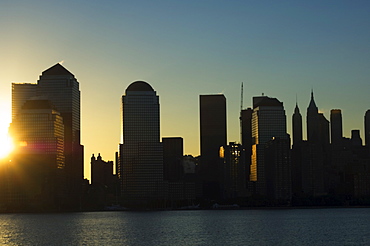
(312, 105)
(296, 109)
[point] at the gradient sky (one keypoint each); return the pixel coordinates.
(186, 48)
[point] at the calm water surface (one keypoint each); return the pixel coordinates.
(347, 226)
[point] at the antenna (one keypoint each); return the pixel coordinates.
(240, 118)
(241, 98)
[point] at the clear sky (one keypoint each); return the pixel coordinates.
(186, 48)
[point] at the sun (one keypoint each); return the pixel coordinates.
(6, 145)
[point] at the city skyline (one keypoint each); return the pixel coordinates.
(283, 50)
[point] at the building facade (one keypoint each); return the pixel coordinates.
(61, 87)
(213, 135)
(268, 122)
(336, 126)
(35, 173)
(141, 154)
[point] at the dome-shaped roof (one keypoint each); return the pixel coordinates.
(139, 86)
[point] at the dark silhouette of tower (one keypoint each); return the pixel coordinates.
(212, 137)
(268, 123)
(312, 120)
(315, 153)
(367, 129)
(38, 160)
(61, 87)
(141, 154)
(297, 126)
(336, 128)
(297, 151)
(246, 139)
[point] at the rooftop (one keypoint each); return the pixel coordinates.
(57, 69)
(139, 86)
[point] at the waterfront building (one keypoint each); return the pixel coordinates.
(367, 129)
(315, 153)
(233, 174)
(278, 170)
(296, 157)
(141, 154)
(101, 172)
(35, 172)
(61, 87)
(268, 122)
(213, 135)
(246, 139)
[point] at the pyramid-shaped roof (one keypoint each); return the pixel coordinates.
(312, 106)
(57, 69)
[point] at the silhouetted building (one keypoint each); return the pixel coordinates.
(233, 180)
(101, 171)
(141, 154)
(268, 122)
(356, 140)
(104, 184)
(246, 139)
(278, 170)
(315, 152)
(296, 158)
(35, 173)
(59, 86)
(173, 158)
(324, 131)
(297, 127)
(212, 136)
(336, 128)
(312, 120)
(367, 129)
(246, 125)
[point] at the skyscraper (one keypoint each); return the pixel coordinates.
(297, 127)
(315, 154)
(141, 154)
(246, 139)
(268, 122)
(296, 158)
(38, 131)
(61, 87)
(312, 120)
(212, 136)
(336, 127)
(367, 128)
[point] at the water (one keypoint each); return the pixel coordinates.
(347, 226)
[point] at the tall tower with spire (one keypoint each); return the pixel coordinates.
(312, 120)
(297, 126)
(297, 151)
(315, 153)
